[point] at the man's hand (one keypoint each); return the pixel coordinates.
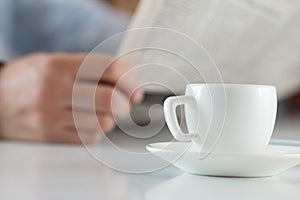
(36, 97)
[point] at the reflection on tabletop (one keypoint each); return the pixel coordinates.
(192, 187)
(67, 172)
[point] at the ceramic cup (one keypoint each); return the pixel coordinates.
(232, 118)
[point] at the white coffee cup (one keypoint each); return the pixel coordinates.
(227, 118)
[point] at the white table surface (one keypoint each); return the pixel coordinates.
(52, 171)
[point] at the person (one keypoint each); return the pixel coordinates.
(36, 81)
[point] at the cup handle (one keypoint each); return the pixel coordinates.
(170, 105)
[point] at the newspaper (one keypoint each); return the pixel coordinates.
(250, 41)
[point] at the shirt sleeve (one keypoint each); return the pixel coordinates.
(6, 29)
(65, 25)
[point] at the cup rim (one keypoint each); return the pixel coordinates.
(230, 85)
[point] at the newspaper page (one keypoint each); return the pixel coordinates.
(250, 41)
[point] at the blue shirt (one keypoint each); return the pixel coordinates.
(28, 26)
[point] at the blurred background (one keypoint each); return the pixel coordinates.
(128, 6)
(291, 104)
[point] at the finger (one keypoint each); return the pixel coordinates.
(54, 117)
(57, 135)
(93, 64)
(70, 135)
(106, 123)
(104, 69)
(119, 73)
(108, 100)
(92, 123)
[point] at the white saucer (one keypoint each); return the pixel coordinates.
(276, 160)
